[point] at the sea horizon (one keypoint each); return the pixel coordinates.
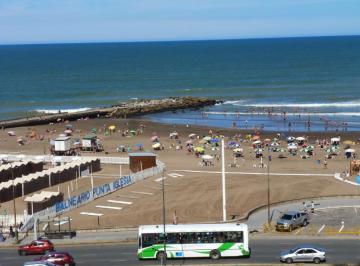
(317, 75)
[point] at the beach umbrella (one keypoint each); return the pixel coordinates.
(156, 145)
(112, 127)
(189, 142)
(199, 149)
(154, 138)
(348, 142)
(214, 140)
(254, 138)
(267, 140)
(11, 133)
(207, 138)
(300, 138)
(139, 145)
(68, 131)
(232, 143)
(192, 135)
(349, 151)
(207, 157)
(238, 150)
(93, 130)
(290, 139)
(256, 142)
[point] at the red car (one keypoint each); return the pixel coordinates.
(36, 247)
(58, 258)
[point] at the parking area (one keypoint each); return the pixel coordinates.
(332, 216)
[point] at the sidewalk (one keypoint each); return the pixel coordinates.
(86, 237)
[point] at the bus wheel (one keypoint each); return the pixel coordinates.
(161, 255)
(215, 254)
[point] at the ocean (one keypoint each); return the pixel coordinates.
(313, 82)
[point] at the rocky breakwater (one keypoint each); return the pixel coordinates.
(129, 109)
(160, 105)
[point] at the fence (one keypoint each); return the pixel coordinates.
(90, 195)
(9, 220)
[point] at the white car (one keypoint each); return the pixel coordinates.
(303, 253)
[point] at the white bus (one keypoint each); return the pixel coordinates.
(194, 241)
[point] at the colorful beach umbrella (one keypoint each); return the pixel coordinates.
(156, 145)
(207, 157)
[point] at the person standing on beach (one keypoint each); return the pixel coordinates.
(325, 163)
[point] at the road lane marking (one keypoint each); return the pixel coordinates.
(120, 201)
(177, 175)
(108, 207)
(141, 192)
(160, 179)
(91, 213)
(321, 228)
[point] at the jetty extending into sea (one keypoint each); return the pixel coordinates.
(125, 110)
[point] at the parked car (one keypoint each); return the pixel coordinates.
(58, 258)
(303, 253)
(291, 220)
(38, 263)
(36, 247)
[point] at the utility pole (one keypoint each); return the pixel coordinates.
(164, 216)
(223, 179)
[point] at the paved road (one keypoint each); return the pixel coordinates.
(263, 251)
(258, 218)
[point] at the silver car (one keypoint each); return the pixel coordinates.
(303, 253)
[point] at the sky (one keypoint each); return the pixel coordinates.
(59, 21)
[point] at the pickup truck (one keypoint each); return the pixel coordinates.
(291, 220)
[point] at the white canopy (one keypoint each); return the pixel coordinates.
(349, 151)
(43, 195)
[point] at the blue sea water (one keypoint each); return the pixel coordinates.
(317, 77)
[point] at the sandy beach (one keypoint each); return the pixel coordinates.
(195, 194)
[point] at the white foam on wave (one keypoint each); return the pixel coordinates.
(246, 103)
(237, 102)
(56, 111)
(288, 113)
(307, 105)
